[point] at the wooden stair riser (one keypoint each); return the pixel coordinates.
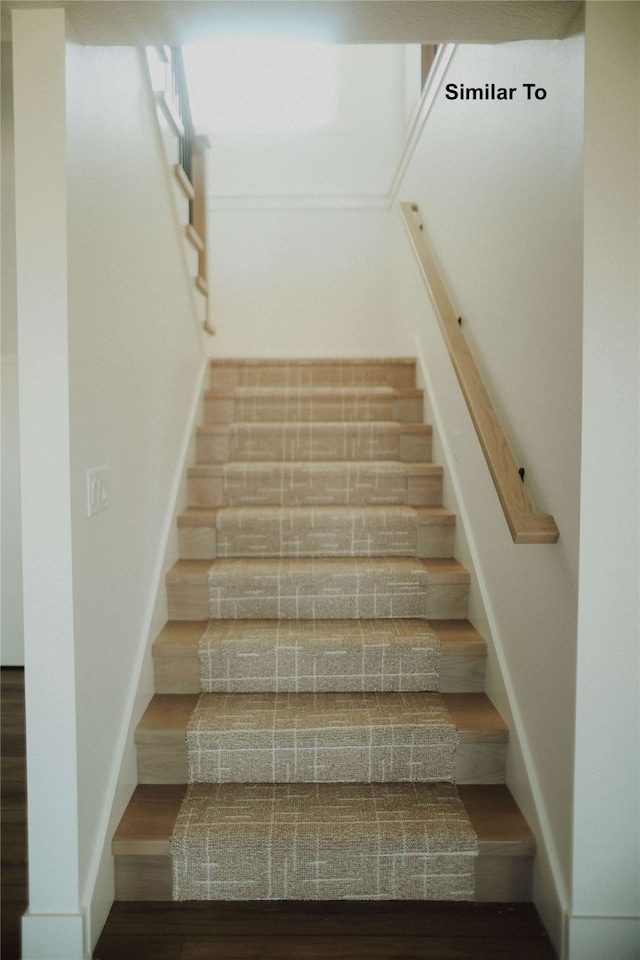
(480, 756)
(255, 442)
(503, 866)
(177, 662)
(227, 375)
(310, 590)
(402, 407)
(315, 484)
(316, 532)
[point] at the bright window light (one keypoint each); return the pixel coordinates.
(256, 86)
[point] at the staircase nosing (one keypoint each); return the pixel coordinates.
(181, 637)
(167, 716)
(192, 516)
(147, 824)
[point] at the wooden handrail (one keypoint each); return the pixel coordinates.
(524, 524)
(169, 82)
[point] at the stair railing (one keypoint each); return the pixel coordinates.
(524, 524)
(169, 81)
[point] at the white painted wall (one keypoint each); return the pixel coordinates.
(135, 371)
(499, 185)
(303, 283)
(299, 253)
(354, 156)
(11, 623)
(53, 926)
(111, 366)
(606, 863)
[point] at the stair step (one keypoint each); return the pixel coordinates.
(379, 440)
(480, 755)
(380, 531)
(506, 845)
(308, 841)
(310, 483)
(177, 660)
(397, 372)
(317, 588)
(306, 404)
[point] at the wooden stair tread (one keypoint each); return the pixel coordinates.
(167, 715)
(311, 361)
(446, 570)
(227, 374)
(458, 638)
(148, 821)
(308, 587)
(337, 392)
(218, 469)
(330, 425)
(313, 482)
(207, 516)
(177, 664)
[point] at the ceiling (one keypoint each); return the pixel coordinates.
(176, 22)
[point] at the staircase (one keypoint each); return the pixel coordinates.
(318, 683)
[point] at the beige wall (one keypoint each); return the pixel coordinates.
(499, 186)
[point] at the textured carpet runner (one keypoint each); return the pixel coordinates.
(317, 588)
(315, 737)
(321, 757)
(321, 403)
(307, 841)
(240, 656)
(334, 531)
(298, 483)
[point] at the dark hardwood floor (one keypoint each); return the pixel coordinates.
(259, 931)
(13, 799)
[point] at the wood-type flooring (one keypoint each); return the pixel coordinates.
(259, 931)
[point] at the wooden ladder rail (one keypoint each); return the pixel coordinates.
(524, 524)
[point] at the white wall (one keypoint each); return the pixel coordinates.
(499, 185)
(11, 625)
(308, 282)
(53, 925)
(353, 156)
(113, 363)
(606, 866)
(135, 367)
(299, 253)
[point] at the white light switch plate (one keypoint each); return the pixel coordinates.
(97, 490)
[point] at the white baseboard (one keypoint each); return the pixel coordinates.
(57, 936)
(602, 938)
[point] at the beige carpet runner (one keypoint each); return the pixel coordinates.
(321, 757)
(306, 841)
(313, 482)
(240, 656)
(315, 737)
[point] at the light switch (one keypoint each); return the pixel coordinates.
(97, 490)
